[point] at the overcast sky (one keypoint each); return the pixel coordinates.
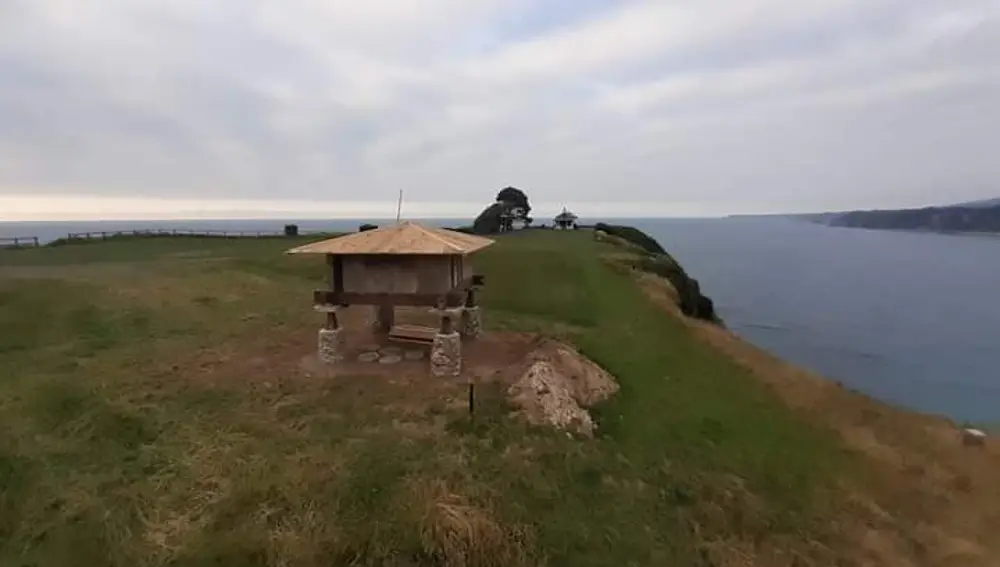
(159, 108)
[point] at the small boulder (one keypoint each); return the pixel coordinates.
(544, 398)
(414, 355)
(973, 437)
(557, 387)
(390, 359)
(368, 357)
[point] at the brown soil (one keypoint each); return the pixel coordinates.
(928, 500)
(286, 360)
(549, 382)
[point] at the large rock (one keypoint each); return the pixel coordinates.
(557, 387)
(545, 399)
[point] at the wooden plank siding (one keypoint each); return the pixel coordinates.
(397, 274)
(455, 298)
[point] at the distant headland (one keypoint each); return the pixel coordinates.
(971, 217)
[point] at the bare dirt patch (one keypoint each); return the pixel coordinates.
(548, 381)
(283, 362)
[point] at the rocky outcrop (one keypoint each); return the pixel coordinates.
(558, 386)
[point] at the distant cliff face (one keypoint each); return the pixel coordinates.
(966, 218)
(652, 258)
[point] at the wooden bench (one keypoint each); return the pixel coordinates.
(413, 334)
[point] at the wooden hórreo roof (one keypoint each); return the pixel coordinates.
(566, 216)
(406, 238)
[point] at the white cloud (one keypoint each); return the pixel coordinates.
(666, 106)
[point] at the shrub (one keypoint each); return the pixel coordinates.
(692, 302)
(633, 235)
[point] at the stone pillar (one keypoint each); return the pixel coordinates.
(330, 346)
(383, 318)
(472, 322)
(446, 351)
(446, 354)
(329, 341)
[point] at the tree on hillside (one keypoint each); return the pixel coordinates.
(517, 202)
(489, 221)
(511, 206)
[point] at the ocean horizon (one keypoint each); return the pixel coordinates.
(47, 231)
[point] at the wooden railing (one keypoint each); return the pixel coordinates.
(19, 242)
(33, 241)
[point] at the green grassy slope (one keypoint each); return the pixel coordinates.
(145, 419)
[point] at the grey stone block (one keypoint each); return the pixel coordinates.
(446, 355)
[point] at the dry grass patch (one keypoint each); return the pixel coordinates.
(456, 533)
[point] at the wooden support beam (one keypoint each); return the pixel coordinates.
(413, 334)
(447, 324)
(337, 263)
(386, 317)
(455, 298)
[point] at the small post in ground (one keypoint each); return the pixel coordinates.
(472, 398)
(383, 318)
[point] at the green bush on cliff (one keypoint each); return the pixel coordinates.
(654, 259)
(692, 302)
(633, 235)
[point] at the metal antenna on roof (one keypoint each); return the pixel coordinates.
(399, 206)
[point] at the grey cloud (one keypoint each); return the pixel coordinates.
(777, 105)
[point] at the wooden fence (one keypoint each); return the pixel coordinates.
(33, 242)
(19, 242)
(104, 235)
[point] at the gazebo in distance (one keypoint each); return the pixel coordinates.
(565, 219)
(403, 264)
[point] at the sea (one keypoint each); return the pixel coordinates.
(910, 318)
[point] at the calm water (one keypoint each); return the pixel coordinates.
(910, 318)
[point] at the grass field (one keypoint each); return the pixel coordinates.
(142, 422)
